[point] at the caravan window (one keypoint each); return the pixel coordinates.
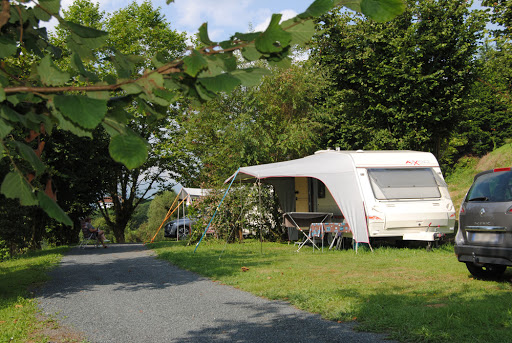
(405, 183)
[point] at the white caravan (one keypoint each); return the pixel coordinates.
(404, 194)
(398, 194)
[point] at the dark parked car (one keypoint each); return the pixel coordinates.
(181, 227)
(484, 239)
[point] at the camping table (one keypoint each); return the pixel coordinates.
(304, 219)
(320, 229)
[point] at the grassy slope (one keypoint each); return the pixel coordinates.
(460, 181)
(18, 309)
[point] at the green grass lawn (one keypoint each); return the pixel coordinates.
(18, 309)
(410, 294)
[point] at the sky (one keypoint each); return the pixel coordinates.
(224, 17)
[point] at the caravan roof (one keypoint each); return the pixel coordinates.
(388, 158)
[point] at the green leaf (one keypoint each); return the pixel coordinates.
(354, 5)
(169, 96)
(124, 65)
(382, 10)
(41, 14)
(50, 74)
(77, 64)
(131, 88)
(8, 46)
(34, 120)
(8, 113)
(247, 37)
(2, 94)
(30, 156)
(171, 84)
(149, 85)
(4, 81)
(84, 111)
(302, 32)
(68, 125)
(250, 77)
(52, 209)
(317, 8)
(229, 61)
(282, 63)
(113, 127)
(194, 63)
(52, 6)
(203, 93)
(220, 83)
(5, 128)
(203, 35)
(151, 82)
(219, 64)
(84, 31)
(250, 53)
(130, 150)
(15, 186)
(274, 39)
(83, 40)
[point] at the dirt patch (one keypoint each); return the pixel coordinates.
(54, 332)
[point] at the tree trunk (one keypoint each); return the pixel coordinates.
(119, 229)
(38, 229)
(119, 234)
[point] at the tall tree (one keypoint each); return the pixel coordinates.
(79, 99)
(404, 81)
(275, 121)
(141, 31)
(487, 123)
(501, 15)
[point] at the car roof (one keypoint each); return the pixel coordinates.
(495, 170)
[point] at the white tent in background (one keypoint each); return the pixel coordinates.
(192, 194)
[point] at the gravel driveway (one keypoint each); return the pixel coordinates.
(124, 294)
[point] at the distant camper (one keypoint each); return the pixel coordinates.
(393, 194)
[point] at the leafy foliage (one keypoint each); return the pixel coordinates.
(404, 81)
(501, 15)
(275, 121)
(38, 95)
(487, 123)
(247, 210)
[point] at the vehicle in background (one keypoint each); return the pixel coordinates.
(179, 228)
(484, 239)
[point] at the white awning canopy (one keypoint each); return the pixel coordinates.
(338, 173)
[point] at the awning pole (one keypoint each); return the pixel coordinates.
(261, 217)
(216, 210)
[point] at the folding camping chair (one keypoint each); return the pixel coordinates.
(303, 218)
(87, 235)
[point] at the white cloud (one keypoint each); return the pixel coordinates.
(224, 17)
(287, 14)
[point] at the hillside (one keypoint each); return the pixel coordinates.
(460, 181)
